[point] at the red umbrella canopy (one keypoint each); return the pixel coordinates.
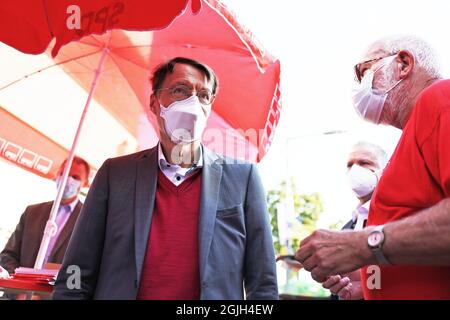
(245, 112)
(30, 25)
(247, 108)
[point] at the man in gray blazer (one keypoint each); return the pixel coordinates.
(23, 246)
(177, 221)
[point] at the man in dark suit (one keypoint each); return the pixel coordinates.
(22, 247)
(177, 221)
(364, 168)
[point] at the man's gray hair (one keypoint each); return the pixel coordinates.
(424, 54)
(381, 155)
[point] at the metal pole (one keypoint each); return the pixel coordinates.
(51, 227)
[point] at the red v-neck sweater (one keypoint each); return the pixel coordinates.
(171, 267)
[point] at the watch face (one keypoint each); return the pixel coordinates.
(375, 239)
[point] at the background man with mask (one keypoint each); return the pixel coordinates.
(365, 164)
(23, 246)
(177, 221)
(409, 218)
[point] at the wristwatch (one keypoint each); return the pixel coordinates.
(375, 241)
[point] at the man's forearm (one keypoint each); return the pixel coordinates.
(421, 239)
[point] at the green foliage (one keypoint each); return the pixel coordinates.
(336, 226)
(307, 208)
(304, 286)
(274, 199)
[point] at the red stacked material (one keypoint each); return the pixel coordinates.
(31, 280)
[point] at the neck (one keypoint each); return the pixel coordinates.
(184, 155)
(68, 201)
(364, 199)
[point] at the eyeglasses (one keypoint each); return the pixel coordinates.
(182, 92)
(360, 68)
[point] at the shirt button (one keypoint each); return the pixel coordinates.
(178, 178)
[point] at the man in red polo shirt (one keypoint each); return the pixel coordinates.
(405, 250)
(177, 221)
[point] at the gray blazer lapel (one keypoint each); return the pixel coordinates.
(146, 179)
(211, 176)
(66, 232)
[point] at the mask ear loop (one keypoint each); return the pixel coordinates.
(375, 172)
(388, 60)
(393, 86)
(378, 173)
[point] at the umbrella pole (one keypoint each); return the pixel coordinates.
(51, 228)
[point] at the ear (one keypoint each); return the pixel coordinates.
(406, 60)
(153, 104)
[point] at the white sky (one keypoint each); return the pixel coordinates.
(317, 42)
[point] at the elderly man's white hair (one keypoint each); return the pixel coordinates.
(424, 54)
(380, 154)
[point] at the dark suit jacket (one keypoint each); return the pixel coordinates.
(350, 225)
(23, 245)
(110, 239)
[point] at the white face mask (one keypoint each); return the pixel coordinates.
(71, 189)
(184, 120)
(362, 180)
(368, 102)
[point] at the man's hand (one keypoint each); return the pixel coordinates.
(326, 253)
(346, 287)
(3, 273)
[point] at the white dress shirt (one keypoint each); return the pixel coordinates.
(174, 172)
(360, 214)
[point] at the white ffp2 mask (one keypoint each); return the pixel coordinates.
(184, 120)
(368, 102)
(362, 180)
